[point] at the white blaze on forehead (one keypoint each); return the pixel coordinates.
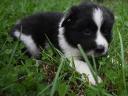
(98, 19)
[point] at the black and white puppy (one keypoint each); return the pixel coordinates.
(87, 24)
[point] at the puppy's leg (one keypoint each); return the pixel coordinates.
(29, 43)
(83, 68)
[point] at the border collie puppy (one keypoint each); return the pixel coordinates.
(87, 24)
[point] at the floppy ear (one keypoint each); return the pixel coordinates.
(70, 17)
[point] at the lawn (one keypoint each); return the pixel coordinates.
(23, 76)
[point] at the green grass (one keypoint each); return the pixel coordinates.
(22, 76)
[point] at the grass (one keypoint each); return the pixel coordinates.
(20, 75)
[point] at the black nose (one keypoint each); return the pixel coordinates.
(100, 49)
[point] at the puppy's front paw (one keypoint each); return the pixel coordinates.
(99, 80)
(84, 69)
(91, 79)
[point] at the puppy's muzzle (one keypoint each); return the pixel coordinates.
(101, 50)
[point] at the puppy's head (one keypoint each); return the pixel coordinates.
(90, 26)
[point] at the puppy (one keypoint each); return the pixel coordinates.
(87, 24)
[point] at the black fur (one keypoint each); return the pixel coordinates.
(78, 24)
(81, 29)
(38, 25)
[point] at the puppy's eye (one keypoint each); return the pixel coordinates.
(106, 32)
(87, 32)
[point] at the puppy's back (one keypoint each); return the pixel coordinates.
(31, 30)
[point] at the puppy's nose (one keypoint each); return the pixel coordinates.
(100, 49)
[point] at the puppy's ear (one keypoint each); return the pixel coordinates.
(70, 17)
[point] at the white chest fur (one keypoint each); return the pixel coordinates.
(68, 50)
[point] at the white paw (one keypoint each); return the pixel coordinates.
(99, 80)
(91, 79)
(95, 82)
(83, 68)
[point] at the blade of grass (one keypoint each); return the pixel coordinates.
(95, 68)
(87, 60)
(50, 44)
(93, 73)
(46, 88)
(3, 45)
(13, 52)
(122, 61)
(44, 53)
(97, 89)
(56, 77)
